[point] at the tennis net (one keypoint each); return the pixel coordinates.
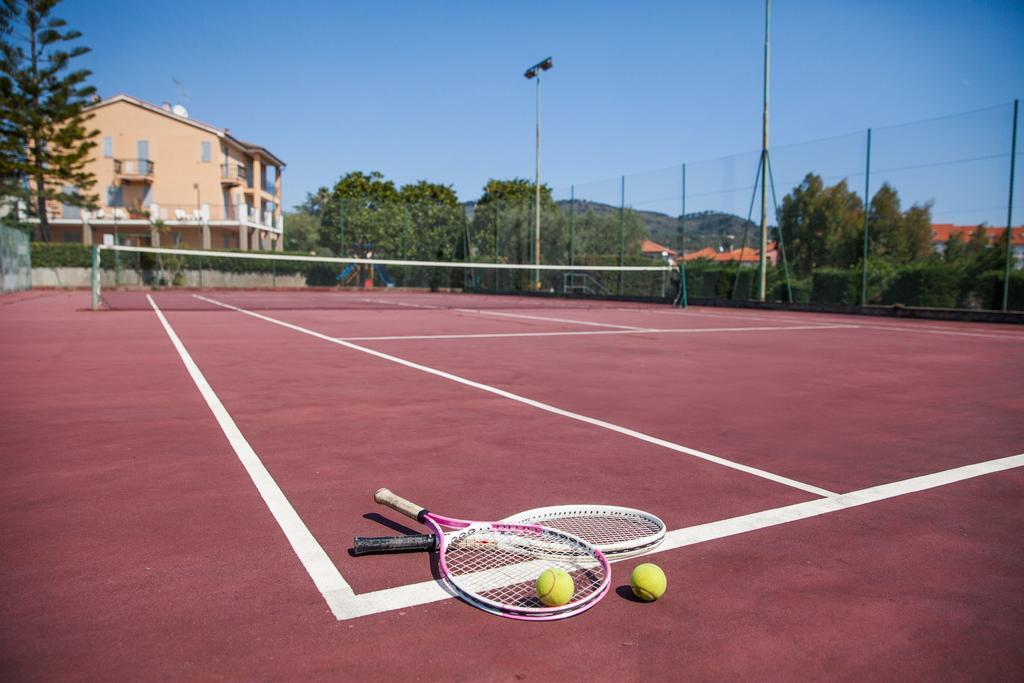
(128, 277)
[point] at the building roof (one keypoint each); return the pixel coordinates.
(744, 254)
(219, 132)
(705, 253)
(943, 231)
(650, 247)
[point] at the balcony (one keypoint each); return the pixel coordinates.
(134, 170)
(233, 174)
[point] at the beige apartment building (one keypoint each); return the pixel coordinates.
(167, 180)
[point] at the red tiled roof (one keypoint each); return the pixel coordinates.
(745, 254)
(706, 252)
(649, 247)
(943, 231)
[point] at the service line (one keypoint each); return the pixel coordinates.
(579, 333)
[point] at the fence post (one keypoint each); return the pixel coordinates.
(682, 245)
(622, 236)
(95, 277)
(572, 225)
(1009, 211)
(867, 210)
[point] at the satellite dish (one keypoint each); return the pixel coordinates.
(180, 111)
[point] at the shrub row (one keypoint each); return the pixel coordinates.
(927, 284)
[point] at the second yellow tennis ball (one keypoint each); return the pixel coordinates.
(554, 587)
(648, 582)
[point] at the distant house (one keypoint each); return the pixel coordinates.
(654, 250)
(165, 179)
(941, 232)
(746, 256)
(706, 253)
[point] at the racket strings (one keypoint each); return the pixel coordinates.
(501, 566)
(605, 529)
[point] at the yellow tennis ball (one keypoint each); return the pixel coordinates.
(554, 587)
(648, 582)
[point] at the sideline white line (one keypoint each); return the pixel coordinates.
(696, 330)
(478, 311)
(401, 597)
(537, 404)
(321, 569)
(866, 322)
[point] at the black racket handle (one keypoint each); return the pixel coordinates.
(373, 545)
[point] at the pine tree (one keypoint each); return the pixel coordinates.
(45, 136)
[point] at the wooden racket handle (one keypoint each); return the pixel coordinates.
(399, 504)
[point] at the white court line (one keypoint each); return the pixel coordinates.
(922, 329)
(344, 604)
(537, 404)
(321, 569)
(432, 591)
(697, 330)
(545, 318)
(399, 303)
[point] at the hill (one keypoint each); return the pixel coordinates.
(703, 228)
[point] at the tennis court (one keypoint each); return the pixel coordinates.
(185, 476)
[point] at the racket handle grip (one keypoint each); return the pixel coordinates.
(373, 545)
(399, 504)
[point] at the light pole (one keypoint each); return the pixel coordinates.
(534, 72)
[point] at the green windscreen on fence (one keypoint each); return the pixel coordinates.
(15, 260)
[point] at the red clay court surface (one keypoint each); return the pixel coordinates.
(844, 495)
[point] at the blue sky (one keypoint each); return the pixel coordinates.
(435, 90)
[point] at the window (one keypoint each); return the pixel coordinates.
(69, 210)
(205, 146)
(114, 196)
(143, 149)
(108, 147)
(72, 237)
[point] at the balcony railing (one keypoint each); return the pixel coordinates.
(134, 169)
(233, 173)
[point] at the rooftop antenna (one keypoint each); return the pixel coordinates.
(179, 106)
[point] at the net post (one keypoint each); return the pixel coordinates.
(683, 303)
(1009, 211)
(572, 225)
(95, 281)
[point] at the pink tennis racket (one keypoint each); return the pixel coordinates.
(618, 532)
(495, 565)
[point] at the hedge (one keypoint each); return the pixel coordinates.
(933, 285)
(835, 286)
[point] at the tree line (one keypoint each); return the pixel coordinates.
(367, 213)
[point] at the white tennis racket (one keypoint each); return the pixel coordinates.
(495, 565)
(618, 532)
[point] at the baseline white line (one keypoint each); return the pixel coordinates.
(537, 404)
(431, 591)
(492, 335)
(321, 569)
(478, 311)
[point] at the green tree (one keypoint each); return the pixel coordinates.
(821, 225)
(897, 235)
(301, 232)
(434, 223)
(46, 139)
(503, 223)
(361, 214)
(953, 250)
